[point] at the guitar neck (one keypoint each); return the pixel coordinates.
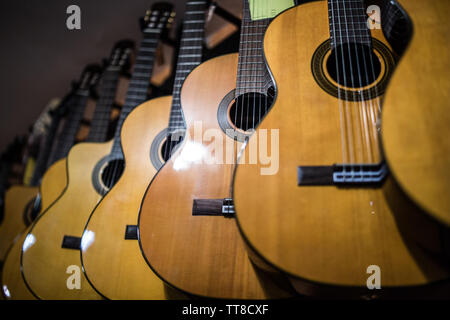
(253, 74)
(71, 126)
(101, 118)
(140, 80)
(45, 149)
(348, 22)
(189, 57)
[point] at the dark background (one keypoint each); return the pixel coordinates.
(40, 57)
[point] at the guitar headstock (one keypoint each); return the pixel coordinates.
(89, 77)
(120, 57)
(159, 18)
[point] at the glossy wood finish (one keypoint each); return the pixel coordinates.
(17, 198)
(109, 253)
(202, 255)
(53, 183)
(322, 236)
(13, 286)
(416, 121)
(45, 263)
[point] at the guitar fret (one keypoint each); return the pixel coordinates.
(194, 21)
(189, 56)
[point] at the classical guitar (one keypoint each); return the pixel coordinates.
(92, 168)
(186, 227)
(415, 123)
(52, 183)
(20, 205)
(55, 176)
(23, 200)
(326, 214)
(111, 232)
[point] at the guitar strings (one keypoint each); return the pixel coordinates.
(341, 107)
(353, 84)
(116, 156)
(360, 103)
(366, 108)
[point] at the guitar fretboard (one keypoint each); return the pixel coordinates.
(47, 143)
(71, 126)
(101, 118)
(189, 57)
(348, 22)
(253, 75)
(140, 81)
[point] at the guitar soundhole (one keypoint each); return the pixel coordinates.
(248, 109)
(353, 65)
(112, 172)
(169, 145)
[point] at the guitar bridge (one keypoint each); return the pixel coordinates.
(70, 242)
(213, 207)
(342, 175)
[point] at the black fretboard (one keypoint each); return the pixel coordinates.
(48, 141)
(189, 57)
(101, 118)
(253, 75)
(71, 126)
(348, 22)
(140, 80)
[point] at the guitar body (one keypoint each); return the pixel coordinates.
(53, 183)
(208, 253)
(13, 286)
(45, 262)
(18, 206)
(322, 237)
(416, 123)
(110, 253)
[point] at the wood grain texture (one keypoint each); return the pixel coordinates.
(109, 253)
(53, 183)
(416, 121)
(45, 263)
(17, 198)
(324, 236)
(202, 255)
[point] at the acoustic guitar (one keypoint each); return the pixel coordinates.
(22, 201)
(327, 214)
(186, 227)
(91, 170)
(55, 175)
(53, 182)
(112, 227)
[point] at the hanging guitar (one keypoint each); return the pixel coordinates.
(52, 183)
(111, 232)
(91, 170)
(327, 215)
(186, 218)
(21, 206)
